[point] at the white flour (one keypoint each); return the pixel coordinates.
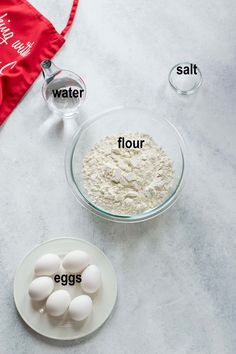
(127, 181)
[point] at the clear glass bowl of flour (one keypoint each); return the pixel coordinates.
(122, 121)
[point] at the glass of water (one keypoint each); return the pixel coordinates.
(63, 90)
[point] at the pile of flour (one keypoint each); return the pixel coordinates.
(127, 181)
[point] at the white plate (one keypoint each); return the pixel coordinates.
(63, 328)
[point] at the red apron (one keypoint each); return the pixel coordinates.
(26, 38)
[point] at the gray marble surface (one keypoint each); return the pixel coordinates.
(177, 273)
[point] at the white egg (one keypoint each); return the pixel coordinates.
(75, 261)
(47, 264)
(40, 288)
(91, 279)
(58, 302)
(80, 307)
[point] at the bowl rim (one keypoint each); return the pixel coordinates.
(147, 215)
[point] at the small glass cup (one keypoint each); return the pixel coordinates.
(185, 84)
(63, 90)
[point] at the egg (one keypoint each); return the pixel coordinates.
(40, 288)
(75, 261)
(47, 264)
(80, 307)
(58, 302)
(91, 279)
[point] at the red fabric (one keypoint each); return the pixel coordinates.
(26, 39)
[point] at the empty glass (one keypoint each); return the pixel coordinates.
(63, 90)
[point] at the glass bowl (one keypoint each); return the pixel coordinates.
(123, 120)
